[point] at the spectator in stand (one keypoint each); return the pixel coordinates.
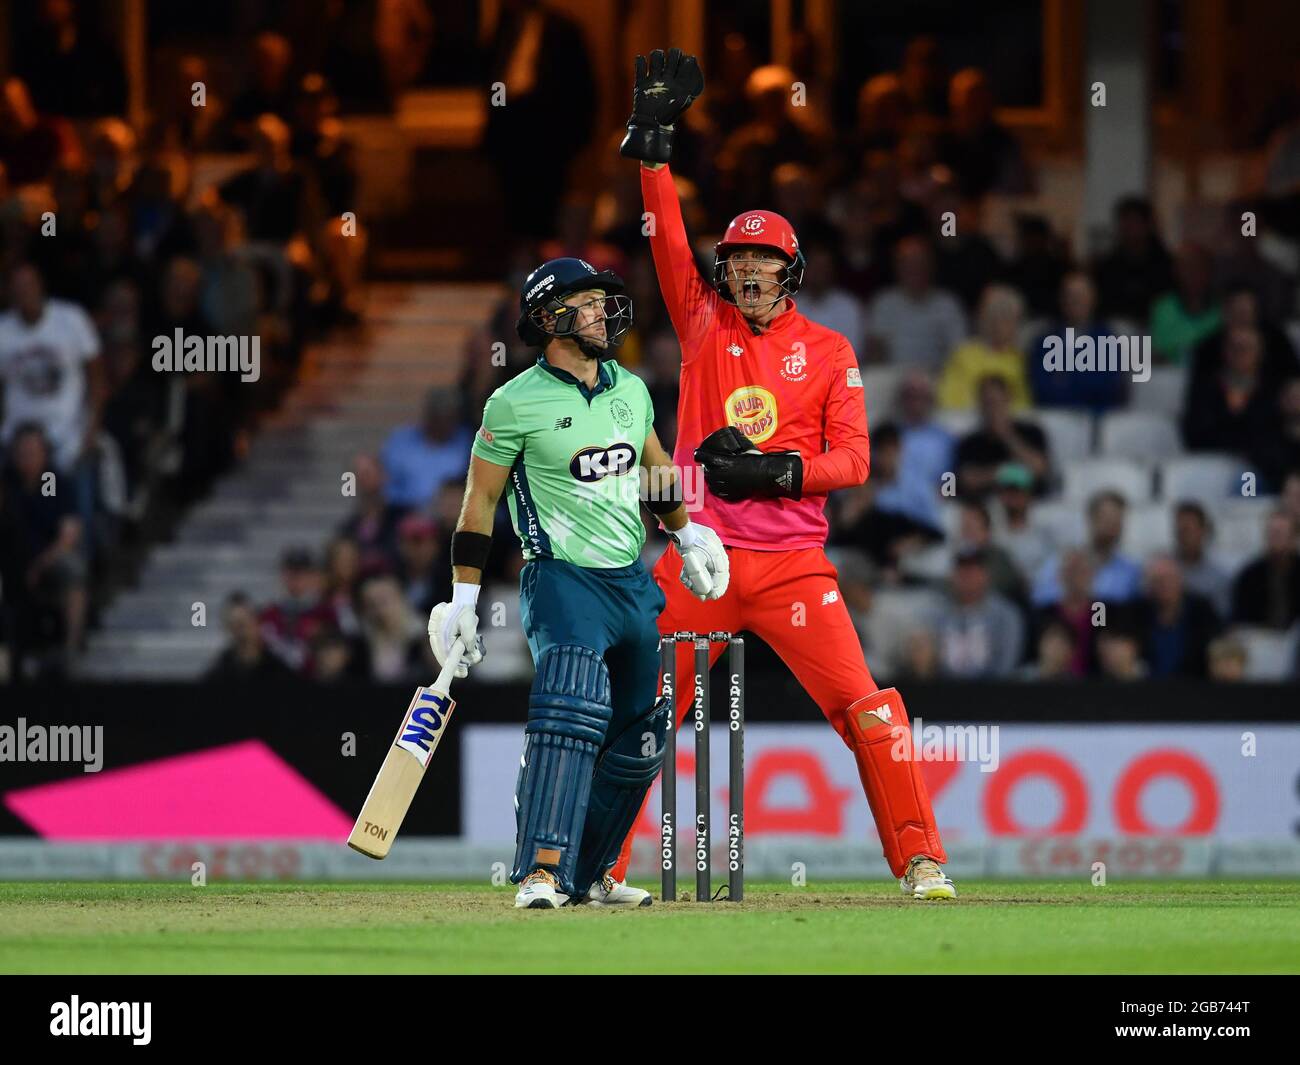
(336, 657)
(916, 501)
(540, 56)
(1027, 541)
(821, 300)
(273, 194)
(271, 89)
(975, 533)
(245, 657)
(913, 324)
(1178, 624)
(1278, 457)
(920, 655)
(1227, 659)
(859, 267)
(289, 624)
(42, 559)
(1137, 269)
(882, 629)
(927, 454)
(71, 68)
(1234, 410)
(979, 633)
(777, 133)
(113, 159)
(993, 351)
(1267, 590)
(998, 439)
(887, 536)
(1056, 653)
(395, 646)
(1201, 572)
(342, 573)
(883, 113)
(53, 377)
(419, 563)
(1119, 648)
(373, 524)
(983, 155)
(1181, 319)
(1241, 310)
(1097, 390)
(1116, 577)
(924, 77)
(1075, 608)
(1289, 497)
(966, 262)
(1039, 265)
(31, 144)
(419, 458)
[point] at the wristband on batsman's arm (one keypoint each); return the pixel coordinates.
(470, 549)
(662, 499)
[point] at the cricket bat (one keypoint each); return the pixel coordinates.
(399, 777)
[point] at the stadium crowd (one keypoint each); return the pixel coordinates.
(1018, 522)
(209, 218)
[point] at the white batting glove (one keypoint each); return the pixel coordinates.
(457, 620)
(706, 569)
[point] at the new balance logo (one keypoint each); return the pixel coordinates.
(830, 597)
(563, 423)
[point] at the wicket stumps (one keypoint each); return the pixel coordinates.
(700, 718)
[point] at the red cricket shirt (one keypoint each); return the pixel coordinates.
(793, 387)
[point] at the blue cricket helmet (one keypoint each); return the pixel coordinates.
(542, 297)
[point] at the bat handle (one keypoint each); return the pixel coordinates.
(443, 683)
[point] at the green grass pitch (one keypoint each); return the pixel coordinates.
(1172, 927)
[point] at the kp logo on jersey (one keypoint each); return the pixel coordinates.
(752, 410)
(592, 464)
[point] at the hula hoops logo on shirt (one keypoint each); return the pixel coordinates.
(752, 410)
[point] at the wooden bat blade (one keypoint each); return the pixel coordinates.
(400, 775)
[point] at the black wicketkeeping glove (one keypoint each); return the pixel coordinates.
(663, 89)
(735, 470)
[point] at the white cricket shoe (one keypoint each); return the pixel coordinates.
(610, 892)
(925, 880)
(539, 891)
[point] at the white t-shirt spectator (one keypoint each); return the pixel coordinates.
(918, 334)
(43, 367)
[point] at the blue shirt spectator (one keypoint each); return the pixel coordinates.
(1096, 390)
(1116, 578)
(420, 459)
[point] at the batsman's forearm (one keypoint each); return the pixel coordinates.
(476, 516)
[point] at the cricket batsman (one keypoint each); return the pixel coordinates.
(771, 407)
(573, 438)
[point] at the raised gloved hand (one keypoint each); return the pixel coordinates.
(663, 89)
(706, 569)
(734, 469)
(457, 620)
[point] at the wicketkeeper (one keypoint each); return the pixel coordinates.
(573, 437)
(771, 407)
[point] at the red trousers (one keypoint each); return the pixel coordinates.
(792, 601)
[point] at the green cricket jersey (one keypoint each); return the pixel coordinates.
(574, 455)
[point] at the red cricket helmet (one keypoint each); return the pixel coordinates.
(763, 229)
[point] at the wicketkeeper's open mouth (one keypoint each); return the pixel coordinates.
(750, 292)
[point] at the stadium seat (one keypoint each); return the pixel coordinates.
(880, 384)
(1082, 478)
(1211, 477)
(957, 422)
(1138, 434)
(1162, 394)
(1069, 433)
(1239, 526)
(1065, 520)
(1148, 530)
(1270, 655)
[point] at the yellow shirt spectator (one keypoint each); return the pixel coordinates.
(993, 351)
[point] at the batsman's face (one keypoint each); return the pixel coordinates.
(590, 322)
(754, 280)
